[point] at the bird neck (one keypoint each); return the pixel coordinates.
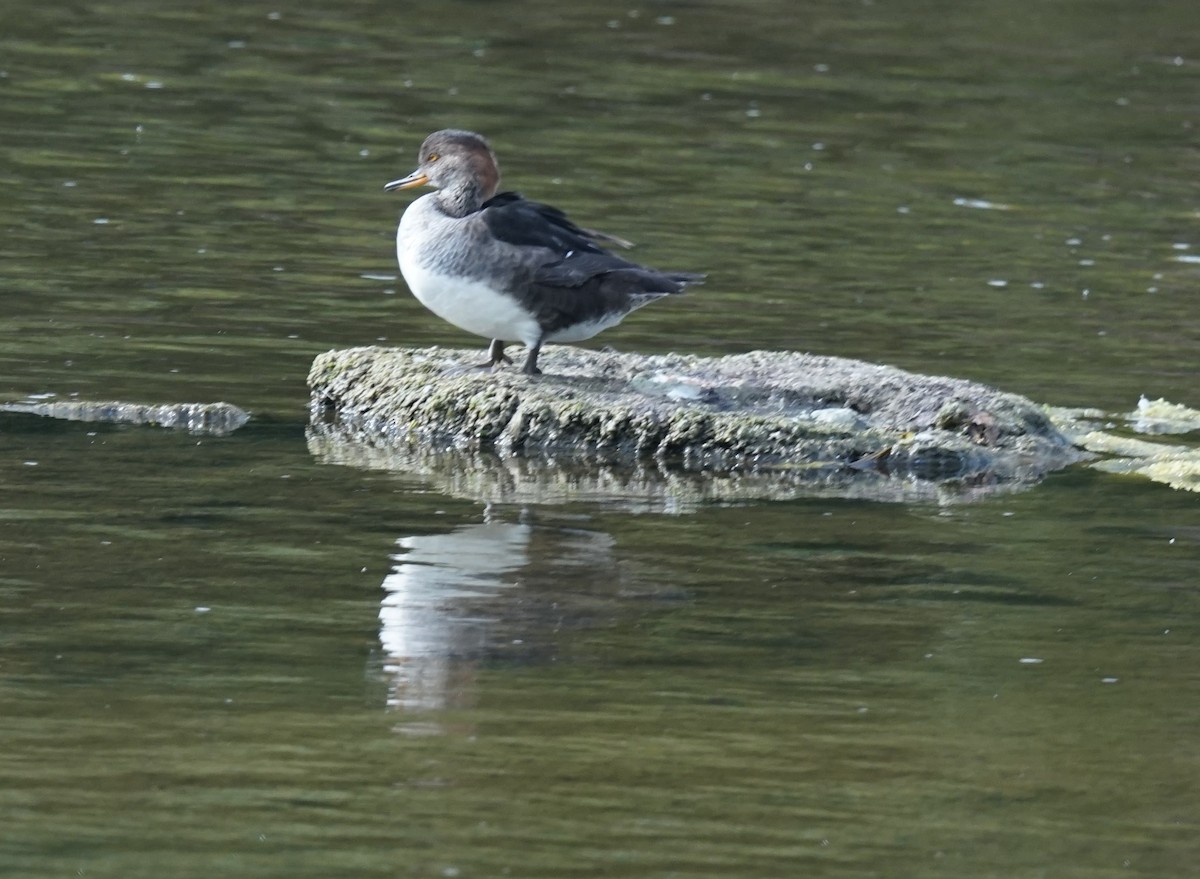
(462, 198)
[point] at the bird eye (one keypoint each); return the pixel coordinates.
(433, 157)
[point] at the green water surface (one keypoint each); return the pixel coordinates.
(222, 657)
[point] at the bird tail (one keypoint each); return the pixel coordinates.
(685, 279)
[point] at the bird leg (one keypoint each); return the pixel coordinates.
(496, 356)
(531, 367)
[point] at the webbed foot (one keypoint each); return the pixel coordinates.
(496, 356)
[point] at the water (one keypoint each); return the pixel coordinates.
(224, 656)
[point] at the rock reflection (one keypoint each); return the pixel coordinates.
(647, 487)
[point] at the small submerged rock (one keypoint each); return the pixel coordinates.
(1162, 417)
(215, 419)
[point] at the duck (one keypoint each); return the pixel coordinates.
(507, 268)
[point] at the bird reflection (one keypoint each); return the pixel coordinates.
(425, 621)
(448, 593)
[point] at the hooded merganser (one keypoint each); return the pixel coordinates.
(507, 268)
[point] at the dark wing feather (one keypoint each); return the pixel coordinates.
(526, 223)
(581, 281)
(577, 258)
(576, 268)
(586, 287)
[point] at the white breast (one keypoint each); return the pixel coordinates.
(471, 305)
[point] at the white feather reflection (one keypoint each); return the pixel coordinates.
(451, 602)
(427, 625)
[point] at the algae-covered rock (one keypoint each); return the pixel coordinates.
(762, 411)
(1105, 436)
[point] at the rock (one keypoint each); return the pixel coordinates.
(209, 418)
(778, 414)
